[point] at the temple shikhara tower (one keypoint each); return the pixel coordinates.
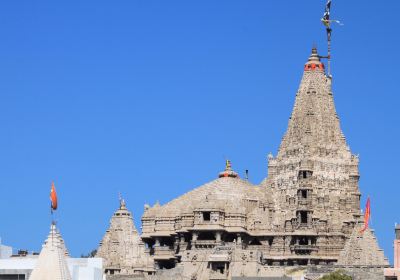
(122, 248)
(303, 219)
(52, 262)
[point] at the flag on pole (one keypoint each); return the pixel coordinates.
(367, 216)
(326, 17)
(53, 197)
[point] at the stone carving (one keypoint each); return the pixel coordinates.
(122, 248)
(305, 213)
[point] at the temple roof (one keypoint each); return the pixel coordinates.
(221, 193)
(362, 249)
(52, 262)
(228, 172)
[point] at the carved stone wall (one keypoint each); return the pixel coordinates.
(306, 213)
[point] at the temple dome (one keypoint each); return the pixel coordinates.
(227, 190)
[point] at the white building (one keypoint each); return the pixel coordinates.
(22, 267)
(52, 263)
(5, 251)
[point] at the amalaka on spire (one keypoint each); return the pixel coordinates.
(314, 62)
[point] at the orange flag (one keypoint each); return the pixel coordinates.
(53, 197)
(367, 215)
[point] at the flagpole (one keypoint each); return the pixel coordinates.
(326, 21)
(328, 30)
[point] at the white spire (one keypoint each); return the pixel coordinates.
(52, 264)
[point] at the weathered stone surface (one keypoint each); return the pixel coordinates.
(305, 214)
(122, 248)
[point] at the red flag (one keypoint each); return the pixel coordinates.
(53, 197)
(367, 215)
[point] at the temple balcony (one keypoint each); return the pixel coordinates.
(164, 252)
(303, 248)
(306, 182)
(305, 202)
(208, 226)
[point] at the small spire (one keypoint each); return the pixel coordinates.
(314, 61)
(122, 204)
(228, 172)
(314, 55)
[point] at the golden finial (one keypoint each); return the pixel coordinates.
(228, 165)
(122, 204)
(228, 172)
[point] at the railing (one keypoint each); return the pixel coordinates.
(206, 243)
(304, 226)
(305, 201)
(218, 276)
(304, 247)
(164, 251)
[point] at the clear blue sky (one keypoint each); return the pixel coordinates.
(149, 97)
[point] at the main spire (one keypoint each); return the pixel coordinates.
(314, 124)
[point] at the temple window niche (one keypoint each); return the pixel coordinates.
(206, 216)
(302, 217)
(303, 194)
(304, 174)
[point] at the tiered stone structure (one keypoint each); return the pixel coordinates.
(122, 248)
(305, 214)
(52, 263)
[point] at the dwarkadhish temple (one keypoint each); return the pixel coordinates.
(304, 220)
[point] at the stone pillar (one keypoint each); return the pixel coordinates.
(157, 243)
(157, 265)
(225, 269)
(194, 236)
(218, 236)
(239, 238)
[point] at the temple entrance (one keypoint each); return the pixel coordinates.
(218, 270)
(166, 264)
